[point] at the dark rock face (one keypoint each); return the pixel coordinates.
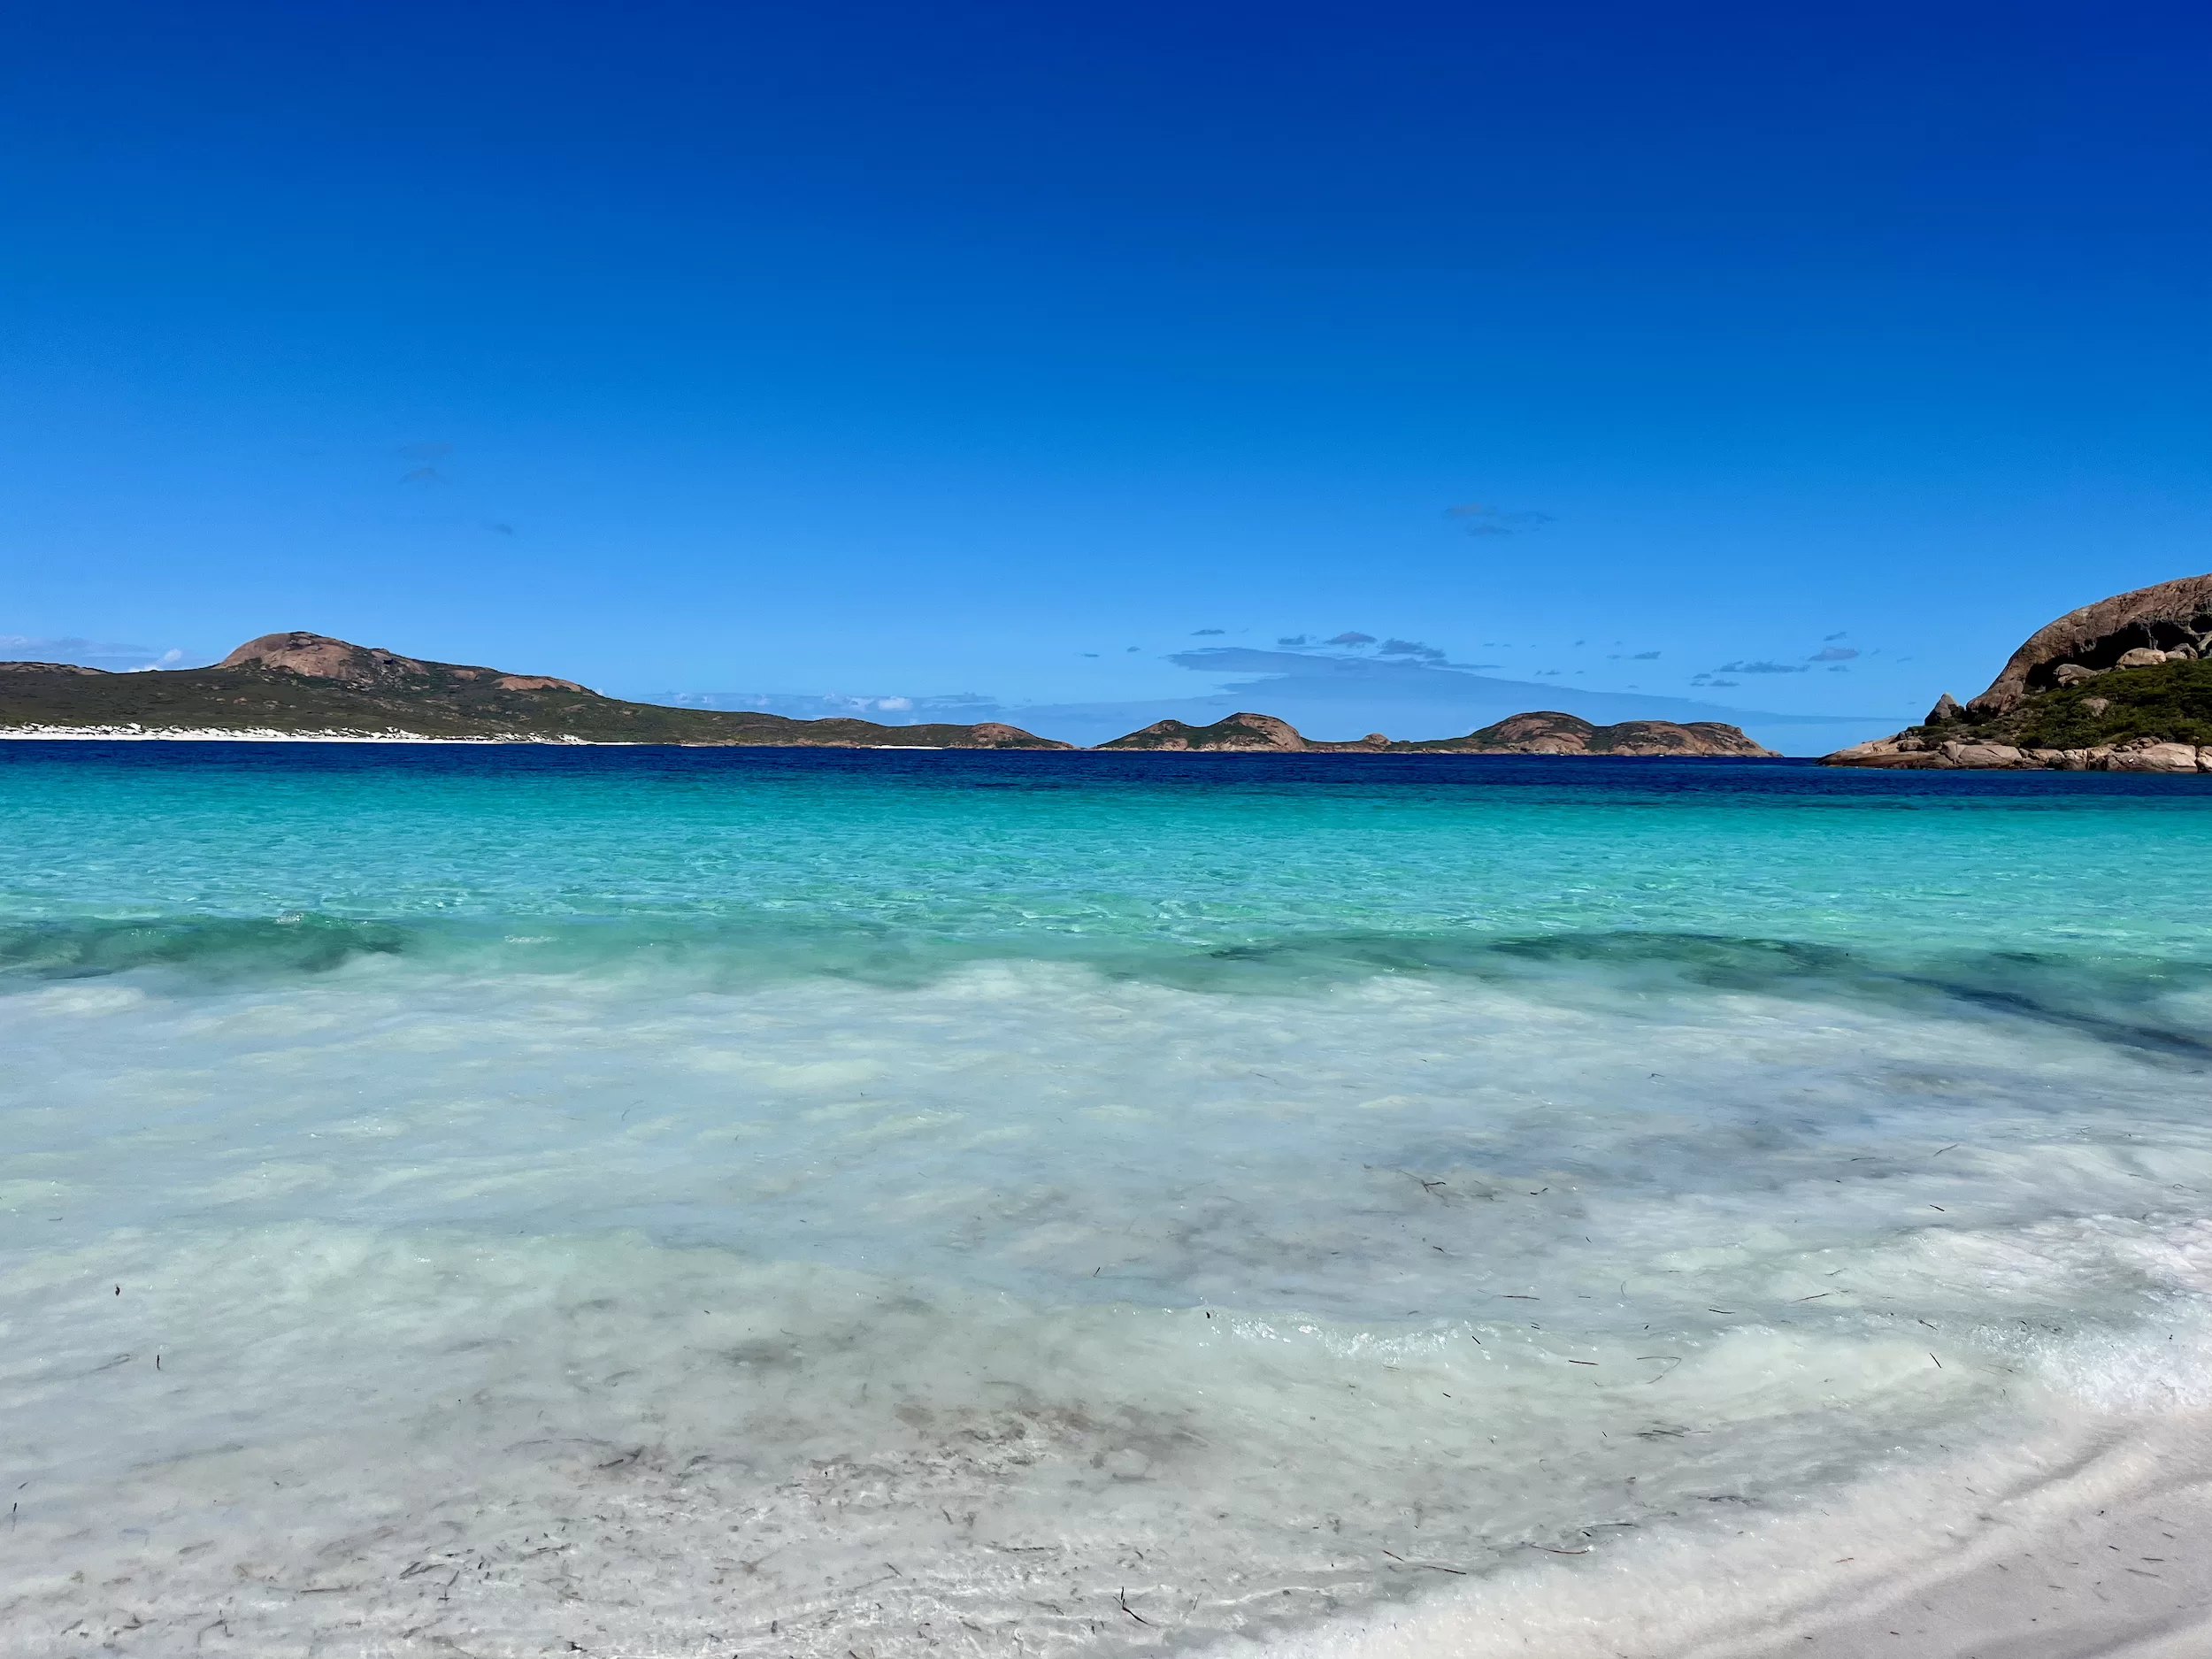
(2121, 631)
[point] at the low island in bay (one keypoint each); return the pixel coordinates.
(1544, 732)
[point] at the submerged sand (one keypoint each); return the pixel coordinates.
(2092, 1541)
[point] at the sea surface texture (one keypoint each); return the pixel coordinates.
(738, 1201)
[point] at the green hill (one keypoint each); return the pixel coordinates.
(309, 684)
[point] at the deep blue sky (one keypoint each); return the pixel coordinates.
(926, 348)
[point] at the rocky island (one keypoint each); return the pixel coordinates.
(311, 686)
(1548, 733)
(1540, 733)
(1255, 733)
(2123, 684)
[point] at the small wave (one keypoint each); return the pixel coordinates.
(219, 948)
(2155, 1005)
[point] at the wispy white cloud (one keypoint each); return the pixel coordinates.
(110, 655)
(960, 708)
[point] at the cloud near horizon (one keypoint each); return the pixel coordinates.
(1352, 641)
(1325, 694)
(957, 707)
(115, 657)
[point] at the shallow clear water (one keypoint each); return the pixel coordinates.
(788, 1202)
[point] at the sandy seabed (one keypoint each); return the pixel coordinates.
(627, 1210)
(2096, 1542)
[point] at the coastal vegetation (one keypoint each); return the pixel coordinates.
(310, 685)
(2123, 684)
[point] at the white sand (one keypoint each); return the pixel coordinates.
(265, 734)
(243, 735)
(2094, 1542)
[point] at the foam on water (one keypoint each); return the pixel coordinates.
(729, 1217)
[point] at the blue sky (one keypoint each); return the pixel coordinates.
(1008, 350)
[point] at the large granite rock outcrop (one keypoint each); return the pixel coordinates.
(2124, 685)
(2169, 620)
(1908, 752)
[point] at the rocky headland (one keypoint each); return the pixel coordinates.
(2123, 684)
(1540, 733)
(311, 686)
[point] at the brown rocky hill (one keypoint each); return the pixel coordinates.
(2123, 684)
(1542, 733)
(1238, 732)
(1548, 733)
(363, 667)
(2172, 621)
(310, 685)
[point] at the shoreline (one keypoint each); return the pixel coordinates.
(216, 735)
(2088, 1540)
(256, 735)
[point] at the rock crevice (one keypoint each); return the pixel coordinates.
(2168, 621)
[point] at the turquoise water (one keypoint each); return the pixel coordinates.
(781, 1201)
(1096, 853)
